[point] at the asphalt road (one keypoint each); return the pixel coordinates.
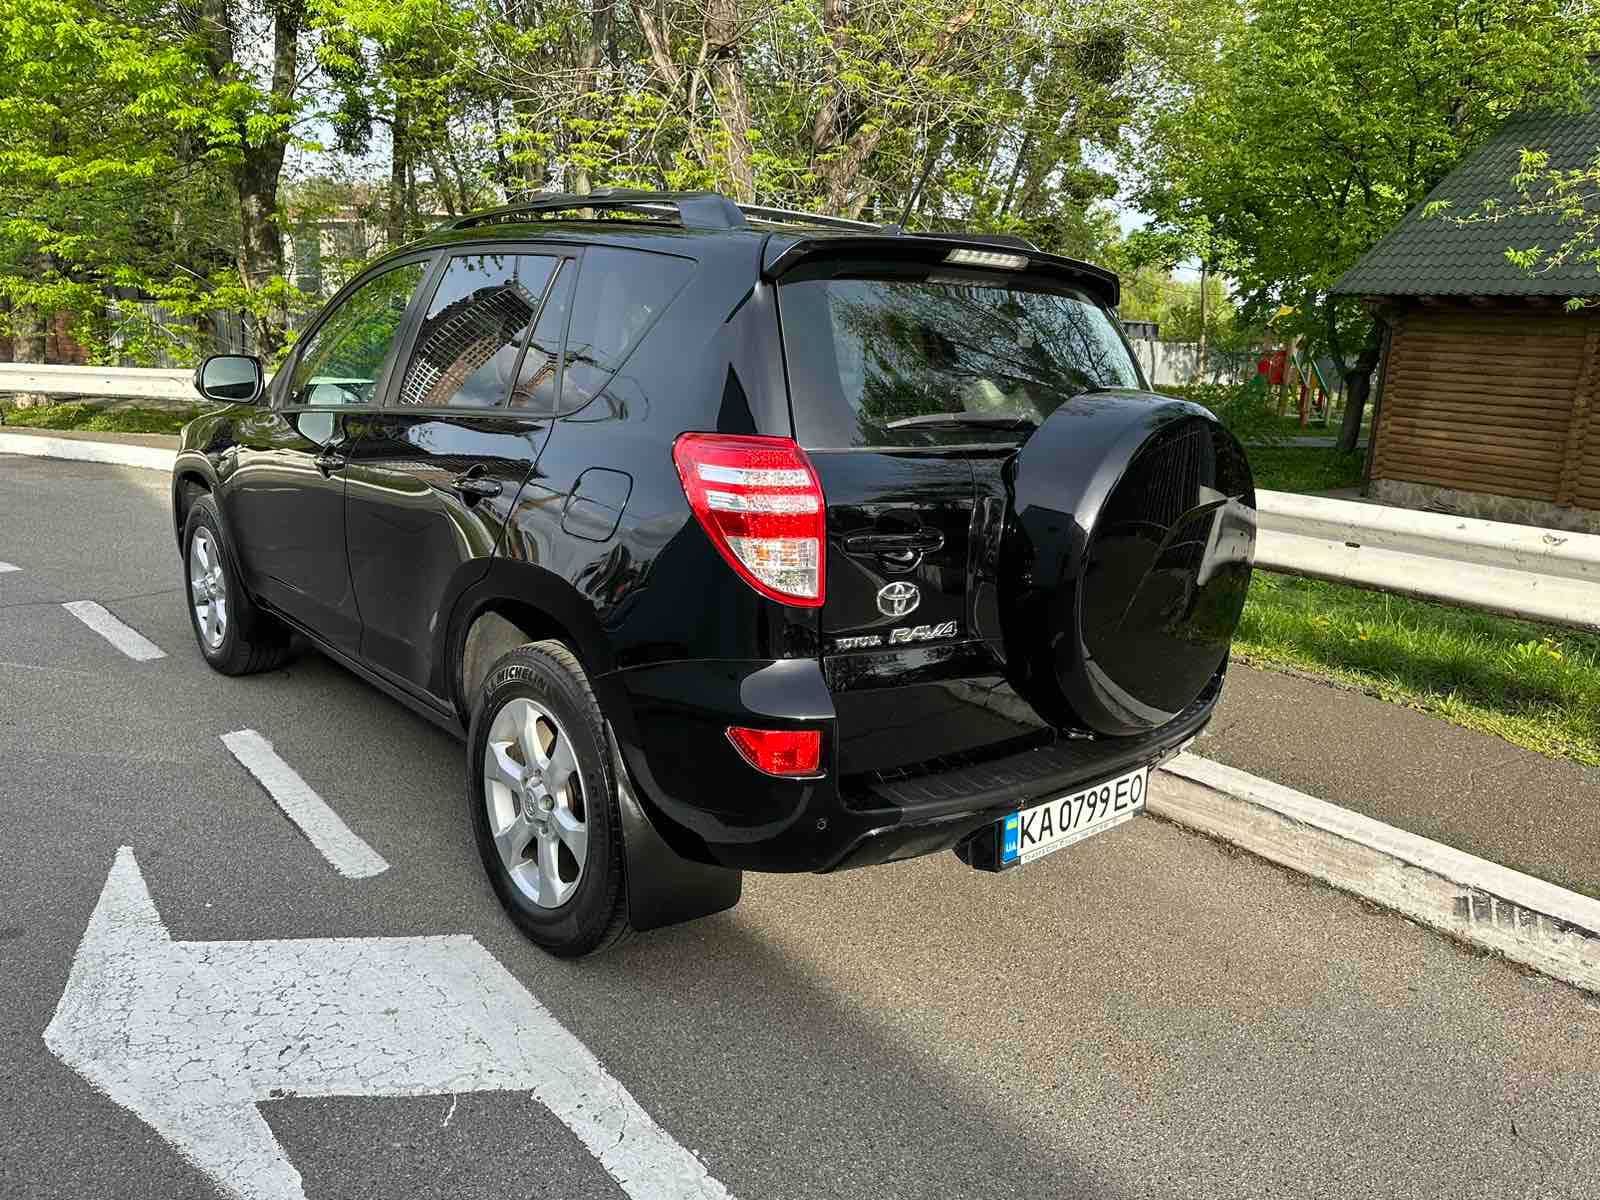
(1146, 1014)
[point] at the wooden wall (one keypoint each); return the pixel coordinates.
(1495, 399)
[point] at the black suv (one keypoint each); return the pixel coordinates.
(732, 539)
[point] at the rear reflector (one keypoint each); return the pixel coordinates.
(761, 504)
(779, 751)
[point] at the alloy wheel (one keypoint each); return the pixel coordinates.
(533, 792)
(208, 590)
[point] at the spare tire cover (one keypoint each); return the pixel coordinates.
(1125, 560)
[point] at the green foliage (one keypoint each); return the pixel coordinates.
(1320, 122)
(1534, 686)
(100, 418)
(1249, 410)
(115, 172)
(1572, 195)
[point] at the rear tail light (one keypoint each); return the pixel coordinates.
(760, 503)
(779, 751)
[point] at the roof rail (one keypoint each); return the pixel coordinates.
(695, 210)
(762, 212)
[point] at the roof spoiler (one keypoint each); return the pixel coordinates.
(784, 256)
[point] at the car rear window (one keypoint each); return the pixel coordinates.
(865, 353)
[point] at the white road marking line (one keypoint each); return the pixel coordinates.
(339, 844)
(130, 641)
(192, 1036)
(5, 566)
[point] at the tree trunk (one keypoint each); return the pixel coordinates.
(588, 71)
(28, 327)
(1205, 271)
(1357, 385)
(732, 100)
(260, 163)
(841, 173)
(394, 225)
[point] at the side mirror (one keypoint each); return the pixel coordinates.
(231, 379)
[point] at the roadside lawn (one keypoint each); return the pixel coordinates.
(74, 414)
(1304, 468)
(1533, 685)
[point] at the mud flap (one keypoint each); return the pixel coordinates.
(664, 888)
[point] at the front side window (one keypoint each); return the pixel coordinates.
(878, 354)
(344, 360)
(470, 341)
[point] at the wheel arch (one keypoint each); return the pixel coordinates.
(191, 477)
(511, 604)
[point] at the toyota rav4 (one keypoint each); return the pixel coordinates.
(729, 539)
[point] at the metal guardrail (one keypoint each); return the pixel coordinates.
(1547, 575)
(1518, 570)
(134, 383)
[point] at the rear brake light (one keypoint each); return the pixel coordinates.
(760, 503)
(987, 258)
(779, 751)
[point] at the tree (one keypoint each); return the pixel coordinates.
(1319, 123)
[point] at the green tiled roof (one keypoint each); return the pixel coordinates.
(1432, 256)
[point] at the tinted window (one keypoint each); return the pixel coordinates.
(539, 376)
(620, 294)
(868, 353)
(345, 358)
(469, 342)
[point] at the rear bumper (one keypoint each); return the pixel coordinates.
(710, 806)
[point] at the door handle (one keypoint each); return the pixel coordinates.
(476, 487)
(329, 461)
(898, 548)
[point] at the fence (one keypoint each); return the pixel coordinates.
(1518, 570)
(133, 383)
(1167, 363)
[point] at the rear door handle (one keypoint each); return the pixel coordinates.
(897, 547)
(476, 487)
(329, 461)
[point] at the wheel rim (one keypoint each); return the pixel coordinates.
(533, 793)
(208, 590)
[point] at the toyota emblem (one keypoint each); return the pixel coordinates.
(898, 599)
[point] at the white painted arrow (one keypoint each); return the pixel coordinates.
(191, 1035)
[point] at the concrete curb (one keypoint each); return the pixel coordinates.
(151, 458)
(1548, 928)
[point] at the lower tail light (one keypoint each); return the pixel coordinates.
(759, 501)
(779, 751)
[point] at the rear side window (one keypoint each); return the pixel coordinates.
(867, 354)
(469, 343)
(620, 295)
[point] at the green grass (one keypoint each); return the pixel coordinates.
(1532, 685)
(1304, 468)
(77, 415)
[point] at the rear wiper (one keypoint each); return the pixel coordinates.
(964, 420)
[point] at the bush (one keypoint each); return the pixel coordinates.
(1247, 409)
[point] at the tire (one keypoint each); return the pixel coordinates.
(249, 640)
(536, 704)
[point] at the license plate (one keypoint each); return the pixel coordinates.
(1037, 831)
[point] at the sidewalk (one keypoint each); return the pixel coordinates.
(151, 451)
(160, 441)
(1466, 789)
